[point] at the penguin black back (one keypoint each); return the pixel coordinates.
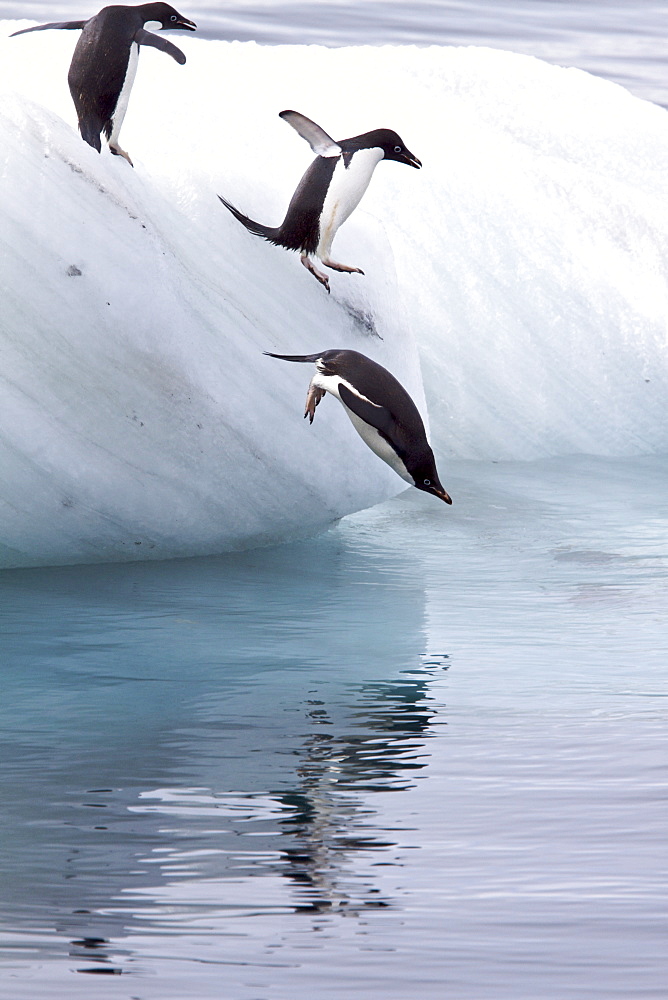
(374, 382)
(100, 61)
(102, 70)
(300, 229)
(95, 82)
(382, 411)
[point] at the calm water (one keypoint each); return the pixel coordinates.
(421, 755)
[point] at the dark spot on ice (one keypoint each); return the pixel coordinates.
(89, 942)
(73, 271)
(587, 556)
(362, 319)
(137, 543)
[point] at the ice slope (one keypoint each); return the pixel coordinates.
(140, 418)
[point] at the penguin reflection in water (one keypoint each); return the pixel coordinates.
(381, 411)
(329, 191)
(105, 62)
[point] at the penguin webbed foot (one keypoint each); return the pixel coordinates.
(117, 151)
(318, 275)
(335, 266)
(315, 394)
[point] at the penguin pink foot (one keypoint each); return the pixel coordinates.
(310, 266)
(342, 267)
(117, 151)
(314, 395)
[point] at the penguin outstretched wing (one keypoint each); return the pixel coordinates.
(72, 25)
(321, 143)
(143, 37)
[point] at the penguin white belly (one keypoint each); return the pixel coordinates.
(124, 96)
(369, 434)
(379, 445)
(344, 194)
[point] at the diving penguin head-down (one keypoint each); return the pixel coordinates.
(381, 411)
(329, 191)
(104, 64)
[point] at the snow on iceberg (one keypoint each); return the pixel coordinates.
(139, 416)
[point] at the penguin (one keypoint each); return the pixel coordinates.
(105, 62)
(381, 411)
(329, 191)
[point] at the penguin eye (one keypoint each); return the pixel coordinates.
(173, 18)
(427, 482)
(397, 149)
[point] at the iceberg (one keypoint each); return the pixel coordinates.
(516, 286)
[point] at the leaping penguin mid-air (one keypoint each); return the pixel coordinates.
(105, 62)
(382, 413)
(329, 191)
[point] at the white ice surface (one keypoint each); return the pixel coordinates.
(139, 417)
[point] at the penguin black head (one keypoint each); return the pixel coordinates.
(168, 17)
(386, 139)
(425, 478)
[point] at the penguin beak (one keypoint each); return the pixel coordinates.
(184, 23)
(442, 495)
(411, 160)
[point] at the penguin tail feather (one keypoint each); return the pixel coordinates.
(294, 357)
(266, 232)
(90, 133)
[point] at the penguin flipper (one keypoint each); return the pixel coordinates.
(143, 37)
(72, 25)
(321, 143)
(371, 413)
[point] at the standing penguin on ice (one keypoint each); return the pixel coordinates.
(329, 191)
(381, 411)
(105, 62)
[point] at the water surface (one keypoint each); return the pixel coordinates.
(424, 752)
